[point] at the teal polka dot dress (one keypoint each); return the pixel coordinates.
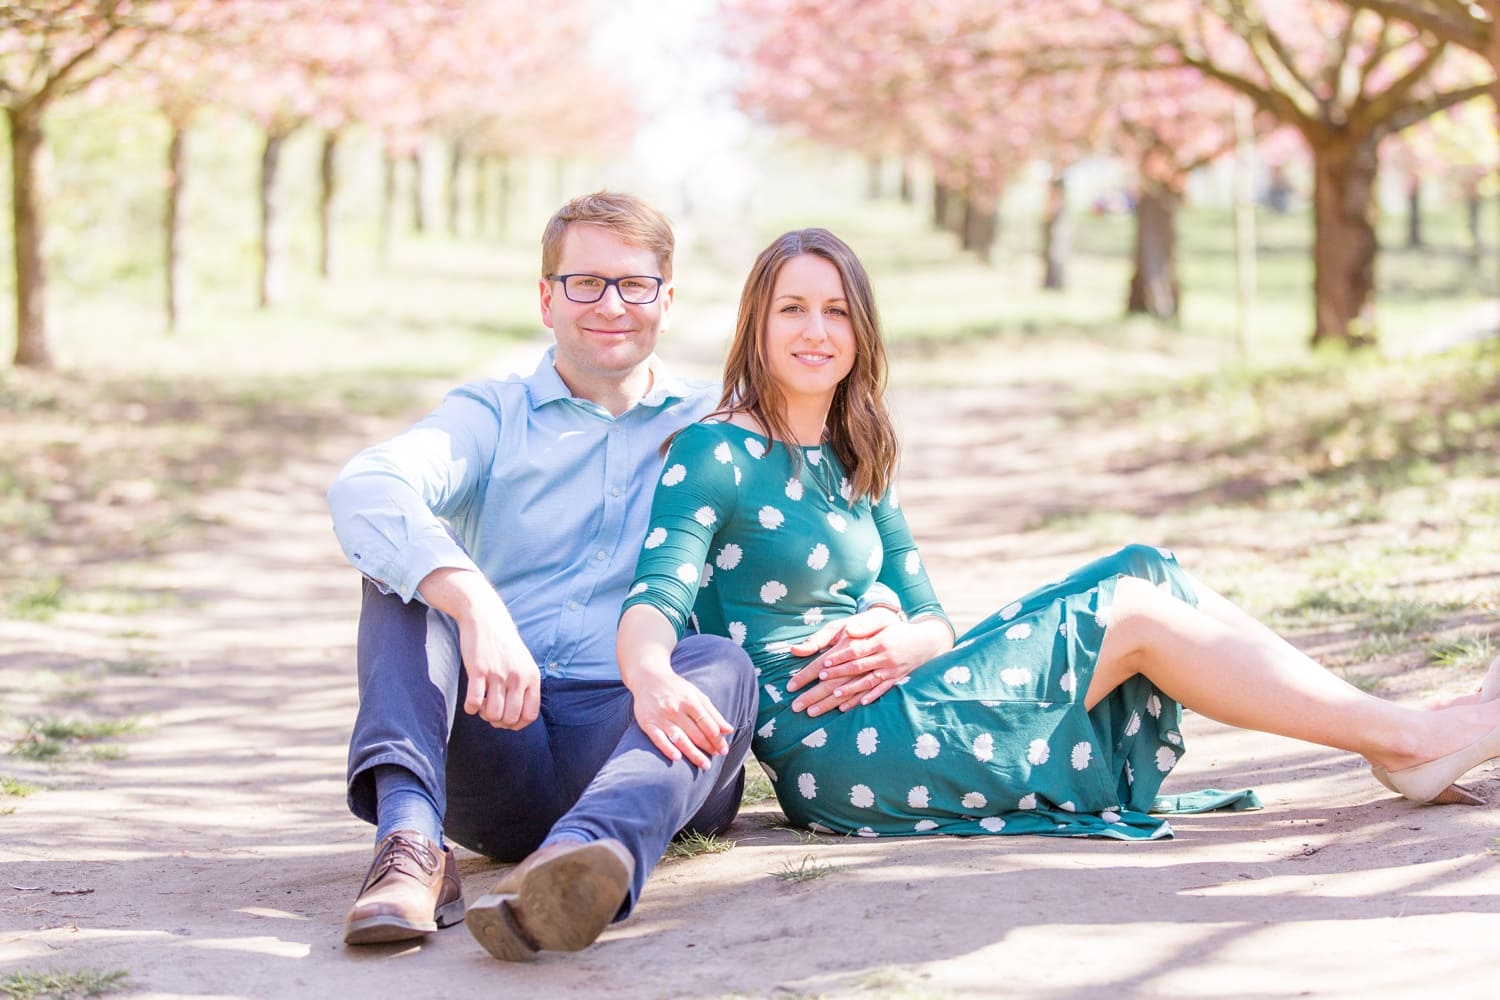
(990, 738)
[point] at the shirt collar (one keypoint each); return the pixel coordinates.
(545, 386)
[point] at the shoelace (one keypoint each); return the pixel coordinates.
(399, 850)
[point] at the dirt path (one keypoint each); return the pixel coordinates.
(216, 859)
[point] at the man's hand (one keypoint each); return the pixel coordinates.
(680, 719)
(505, 686)
(862, 657)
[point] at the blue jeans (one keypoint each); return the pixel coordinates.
(583, 766)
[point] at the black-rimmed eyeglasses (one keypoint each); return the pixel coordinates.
(635, 289)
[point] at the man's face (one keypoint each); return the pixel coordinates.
(603, 343)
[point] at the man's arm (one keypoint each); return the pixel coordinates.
(505, 686)
(389, 502)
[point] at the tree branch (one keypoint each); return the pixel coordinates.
(1451, 21)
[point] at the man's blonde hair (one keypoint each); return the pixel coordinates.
(629, 218)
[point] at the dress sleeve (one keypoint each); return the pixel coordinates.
(902, 569)
(694, 499)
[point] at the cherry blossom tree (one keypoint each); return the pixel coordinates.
(1345, 78)
(50, 49)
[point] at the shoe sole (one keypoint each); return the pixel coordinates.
(387, 928)
(562, 904)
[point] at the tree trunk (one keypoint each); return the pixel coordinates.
(28, 172)
(1154, 290)
(980, 224)
(1055, 235)
(455, 170)
(1473, 209)
(1344, 243)
(418, 203)
(177, 181)
(502, 209)
(907, 190)
(874, 170)
(327, 194)
(940, 197)
(272, 266)
(387, 204)
(1414, 212)
(481, 195)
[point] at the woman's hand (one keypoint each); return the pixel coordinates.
(680, 719)
(862, 657)
(671, 711)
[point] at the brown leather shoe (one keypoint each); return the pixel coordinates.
(410, 891)
(559, 899)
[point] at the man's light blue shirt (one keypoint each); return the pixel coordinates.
(547, 495)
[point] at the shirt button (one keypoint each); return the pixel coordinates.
(552, 665)
(572, 605)
(615, 491)
(600, 554)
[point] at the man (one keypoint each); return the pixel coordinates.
(497, 537)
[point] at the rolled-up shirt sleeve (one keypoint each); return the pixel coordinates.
(393, 502)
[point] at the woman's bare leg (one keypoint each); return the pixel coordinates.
(1218, 661)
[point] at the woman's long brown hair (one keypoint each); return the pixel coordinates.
(859, 429)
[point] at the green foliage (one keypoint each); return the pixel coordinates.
(51, 738)
(38, 601)
(1465, 652)
(694, 844)
(14, 787)
(757, 786)
(806, 870)
(62, 984)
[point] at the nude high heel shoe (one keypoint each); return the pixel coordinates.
(1434, 780)
(1455, 794)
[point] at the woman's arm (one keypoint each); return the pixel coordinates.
(679, 718)
(864, 656)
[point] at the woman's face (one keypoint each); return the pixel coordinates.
(809, 336)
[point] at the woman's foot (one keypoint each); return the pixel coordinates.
(1435, 781)
(1456, 794)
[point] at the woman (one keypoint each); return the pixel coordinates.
(1059, 714)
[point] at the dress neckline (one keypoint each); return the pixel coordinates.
(770, 440)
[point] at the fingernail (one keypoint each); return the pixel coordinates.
(838, 692)
(823, 674)
(797, 706)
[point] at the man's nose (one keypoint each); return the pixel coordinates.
(610, 303)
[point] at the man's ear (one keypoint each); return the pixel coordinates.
(544, 289)
(668, 294)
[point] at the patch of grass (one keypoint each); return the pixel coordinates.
(37, 601)
(757, 787)
(62, 984)
(1464, 652)
(1368, 683)
(1378, 647)
(803, 836)
(51, 738)
(695, 844)
(806, 870)
(14, 787)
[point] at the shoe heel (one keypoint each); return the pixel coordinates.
(450, 913)
(494, 926)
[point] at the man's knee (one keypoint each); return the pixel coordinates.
(721, 669)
